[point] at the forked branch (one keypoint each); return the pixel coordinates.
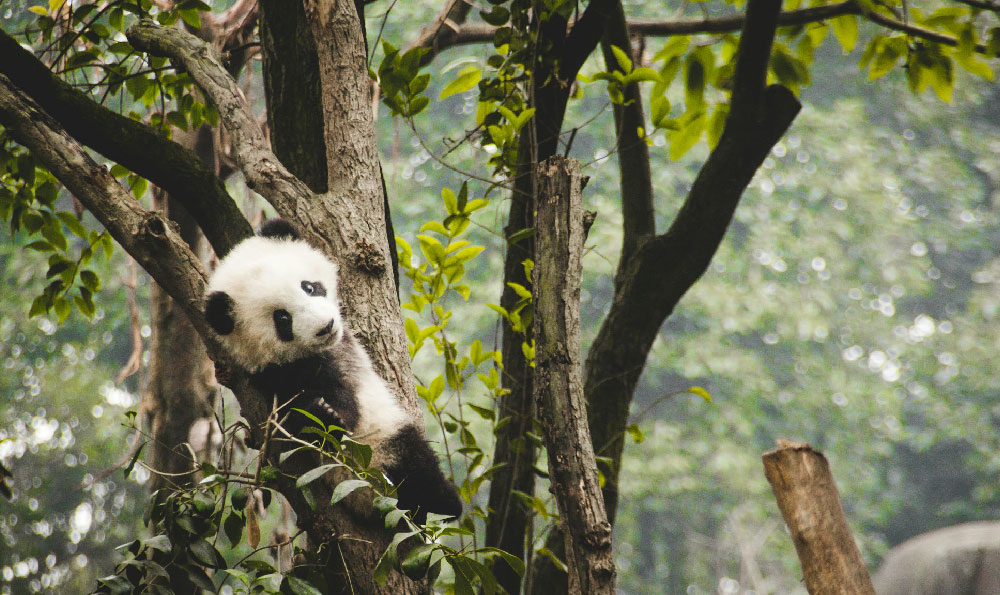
(261, 169)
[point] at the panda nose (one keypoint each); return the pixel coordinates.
(326, 329)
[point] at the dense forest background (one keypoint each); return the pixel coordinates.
(852, 305)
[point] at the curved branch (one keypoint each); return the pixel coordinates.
(154, 242)
(650, 284)
(132, 144)
(261, 169)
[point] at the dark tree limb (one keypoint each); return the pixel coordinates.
(133, 144)
(292, 88)
(807, 496)
(261, 169)
(558, 387)
(441, 33)
(650, 284)
(635, 179)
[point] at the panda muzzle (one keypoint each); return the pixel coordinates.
(326, 330)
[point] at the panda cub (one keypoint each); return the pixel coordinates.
(273, 302)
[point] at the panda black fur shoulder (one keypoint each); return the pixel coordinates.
(273, 302)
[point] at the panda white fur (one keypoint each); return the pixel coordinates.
(273, 302)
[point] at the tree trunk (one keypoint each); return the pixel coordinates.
(558, 385)
(807, 496)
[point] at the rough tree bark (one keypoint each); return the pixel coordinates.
(558, 389)
(807, 496)
(180, 373)
(509, 525)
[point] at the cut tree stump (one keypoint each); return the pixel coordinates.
(804, 488)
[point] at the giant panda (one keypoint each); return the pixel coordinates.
(273, 302)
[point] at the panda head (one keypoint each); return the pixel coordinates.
(273, 299)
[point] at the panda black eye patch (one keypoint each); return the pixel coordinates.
(314, 288)
(283, 325)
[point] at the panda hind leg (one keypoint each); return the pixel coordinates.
(420, 485)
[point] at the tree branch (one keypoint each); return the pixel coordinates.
(651, 283)
(132, 144)
(558, 391)
(479, 33)
(584, 36)
(261, 169)
(144, 234)
(635, 178)
(442, 32)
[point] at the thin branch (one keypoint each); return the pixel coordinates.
(478, 33)
(982, 4)
(441, 33)
(262, 170)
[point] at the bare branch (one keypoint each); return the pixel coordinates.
(262, 170)
(442, 32)
(132, 144)
(478, 33)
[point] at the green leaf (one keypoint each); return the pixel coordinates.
(417, 105)
(62, 308)
(675, 46)
(704, 394)
(157, 542)
(345, 488)
(643, 74)
(72, 224)
(40, 246)
(191, 18)
(115, 584)
(691, 128)
(659, 109)
(624, 62)
(90, 280)
(636, 433)
(205, 553)
(520, 290)
(416, 561)
(300, 587)
(845, 29)
(39, 306)
(886, 53)
(314, 474)
(513, 561)
(467, 78)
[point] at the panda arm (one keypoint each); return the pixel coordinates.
(420, 485)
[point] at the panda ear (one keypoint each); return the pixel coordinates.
(278, 229)
(219, 312)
